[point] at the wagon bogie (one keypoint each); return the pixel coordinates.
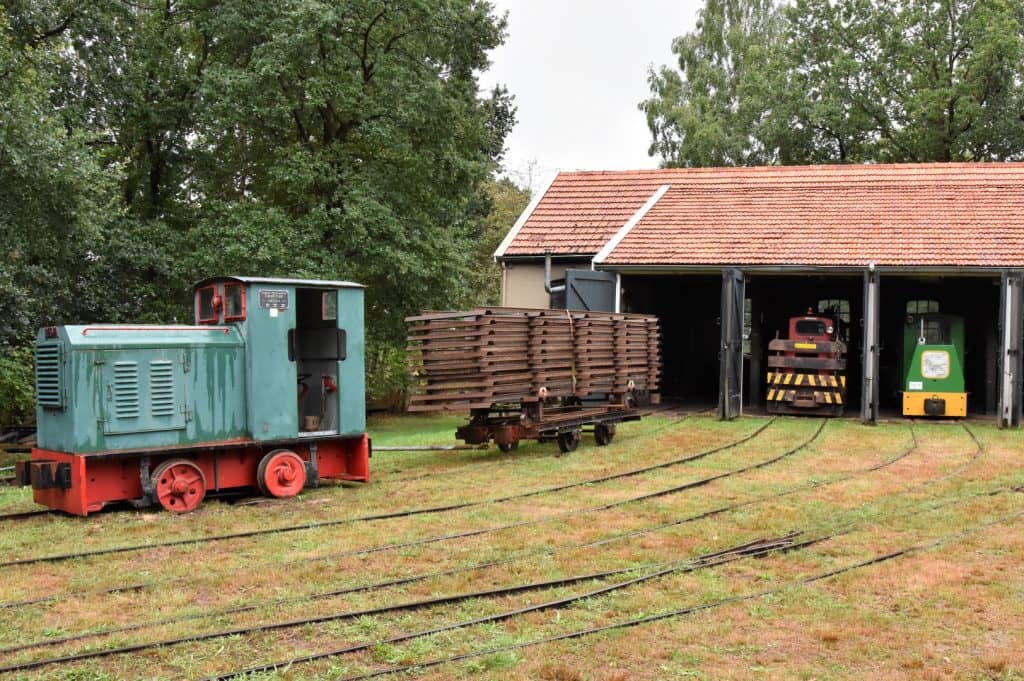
(569, 440)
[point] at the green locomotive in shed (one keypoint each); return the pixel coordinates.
(266, 390)
(933, 365)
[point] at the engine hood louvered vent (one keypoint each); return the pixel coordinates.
(49, 375)
(126, 390)
(161, 387)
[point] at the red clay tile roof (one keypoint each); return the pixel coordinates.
(958, 214)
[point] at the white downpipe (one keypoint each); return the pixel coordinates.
(1006, 416)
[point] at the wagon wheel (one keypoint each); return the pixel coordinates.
(507, 447)
(568, 441)
(603, 433)
(179, 485)
(281, 473)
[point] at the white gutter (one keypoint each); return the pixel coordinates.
(630, 224)
(514, 232)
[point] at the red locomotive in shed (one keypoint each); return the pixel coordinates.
(807, 370)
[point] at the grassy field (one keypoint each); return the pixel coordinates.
(951, 608)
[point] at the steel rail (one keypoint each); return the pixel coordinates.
(673, 614)
(25, 514)
(756, 547)
(505, 458)
(675, 489)
(469, 568)
(521, 556)
(143, 585)
(396, 480)
(833, 534)
(54, 558)
(554, 604)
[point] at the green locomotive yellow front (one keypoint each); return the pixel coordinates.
(933, 369)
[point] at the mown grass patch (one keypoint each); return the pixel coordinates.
(955, 610)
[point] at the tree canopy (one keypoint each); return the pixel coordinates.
(843, 81)
(147, 144)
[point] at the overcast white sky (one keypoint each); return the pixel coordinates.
(578, 69)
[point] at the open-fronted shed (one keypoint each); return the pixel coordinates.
(872, 242)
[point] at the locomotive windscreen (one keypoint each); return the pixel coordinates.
(811, 327)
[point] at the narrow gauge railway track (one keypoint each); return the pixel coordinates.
(803, 543)
(398, 581)
(25, 515)
(54, 558)
(414, 578)
(435, 539)
(505, 458)
(785, 543)
(660, 570)
(666, 491)
(640, 621)
(235, 499)
(579, 512)
(751, 548)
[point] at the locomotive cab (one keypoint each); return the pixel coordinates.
(811, 329)
(306, 339)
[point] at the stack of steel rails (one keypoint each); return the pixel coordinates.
(476, 358)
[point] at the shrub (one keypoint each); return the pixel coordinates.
(17, 386)
(387, 376)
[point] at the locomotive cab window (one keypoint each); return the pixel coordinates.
(811, 327)
(922, 306)
(208, 303)
(837, 309)
(329, 306)
(234, 302)
(935, 332)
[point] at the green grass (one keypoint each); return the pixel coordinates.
(930, 615)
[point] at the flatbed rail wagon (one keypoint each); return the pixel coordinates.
(535, 374)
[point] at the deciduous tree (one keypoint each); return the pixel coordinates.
(844, 81)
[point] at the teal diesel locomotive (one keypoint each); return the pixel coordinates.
(266, 390)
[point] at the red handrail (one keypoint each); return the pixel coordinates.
(224, 329)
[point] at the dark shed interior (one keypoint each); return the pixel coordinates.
(689, 307)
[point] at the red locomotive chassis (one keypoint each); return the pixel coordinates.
(178, 479)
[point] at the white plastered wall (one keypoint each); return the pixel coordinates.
(522, 284)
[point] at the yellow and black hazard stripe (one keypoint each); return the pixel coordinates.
(781, 383)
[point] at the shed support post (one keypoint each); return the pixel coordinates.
(872, 309)
(757, 380)
(1010, 356)
(730, 378)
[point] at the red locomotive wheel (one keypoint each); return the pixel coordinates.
(282, 473)
(179, 485)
